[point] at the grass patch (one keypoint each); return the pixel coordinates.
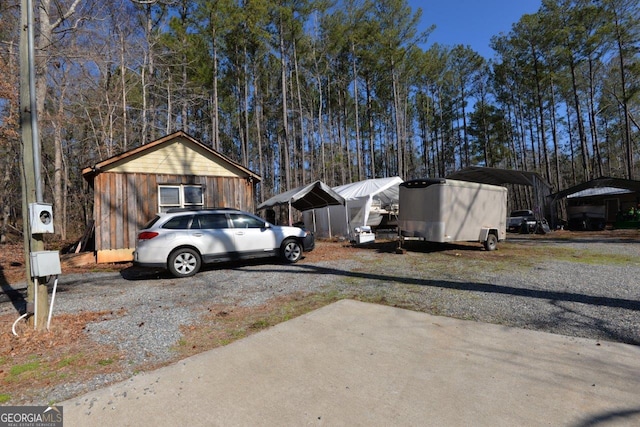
(105, 362)
(260, 324)
(539, 252)
(226, 324)
(468, 264)
(70, 360)
(596, 258)
(39, 360)
(18, 370)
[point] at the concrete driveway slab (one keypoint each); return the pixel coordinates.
(353, 363)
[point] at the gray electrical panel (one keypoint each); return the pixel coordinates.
(45, 263)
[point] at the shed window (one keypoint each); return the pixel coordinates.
(180, 196)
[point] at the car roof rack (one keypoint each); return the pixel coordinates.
(197, 209)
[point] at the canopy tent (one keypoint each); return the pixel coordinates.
(365, 203)
(310, 196)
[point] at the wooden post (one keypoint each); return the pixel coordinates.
(36, 290)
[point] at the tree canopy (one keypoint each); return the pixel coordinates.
(338, 91)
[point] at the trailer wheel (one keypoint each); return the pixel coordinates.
(491, 244)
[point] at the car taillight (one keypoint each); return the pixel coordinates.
(147, 235)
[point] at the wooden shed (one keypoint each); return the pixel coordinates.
(171, 172)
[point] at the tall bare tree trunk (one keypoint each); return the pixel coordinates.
(581, 133)
(465, 137)
(597, 161)
(542, 128)
(554, 133)
(245, 101)
(58, 170)
(396, 108)
(323, 161)
(44, 41)
(145, 119)
(372, 151)
(169, 106)
(43, 45)
(295, 141)
(215, 121)
(257, 107)
(300, 116)
(123, 82)
(184, 92)
(626, 132)
(285, 122)
(356, 119)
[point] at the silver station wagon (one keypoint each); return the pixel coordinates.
(181, 240)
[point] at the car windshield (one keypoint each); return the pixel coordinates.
(521, 213)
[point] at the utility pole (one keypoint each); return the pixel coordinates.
(31, 178)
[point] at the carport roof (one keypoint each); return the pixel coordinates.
(497, 176)
(602, 182)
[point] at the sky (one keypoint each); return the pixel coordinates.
(471, 22)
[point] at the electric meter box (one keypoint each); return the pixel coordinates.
(41, 218)
(45, 263)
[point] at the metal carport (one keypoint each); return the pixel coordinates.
(605, 189)
(602, 182)
(541, 188)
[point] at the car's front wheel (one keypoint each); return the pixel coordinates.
(291, 250)
(184, 262)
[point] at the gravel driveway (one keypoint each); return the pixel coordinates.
(588, 288)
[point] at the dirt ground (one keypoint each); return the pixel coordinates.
(36, 360)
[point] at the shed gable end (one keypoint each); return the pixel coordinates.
(178, 157)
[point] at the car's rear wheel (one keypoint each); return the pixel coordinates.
(291, 250)
(184, 262)
(491, 243)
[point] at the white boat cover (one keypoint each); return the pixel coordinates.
(359, 196)
(384, 189)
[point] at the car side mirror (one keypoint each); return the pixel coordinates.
(267, 225)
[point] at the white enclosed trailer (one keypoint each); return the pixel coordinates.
(445, 210)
